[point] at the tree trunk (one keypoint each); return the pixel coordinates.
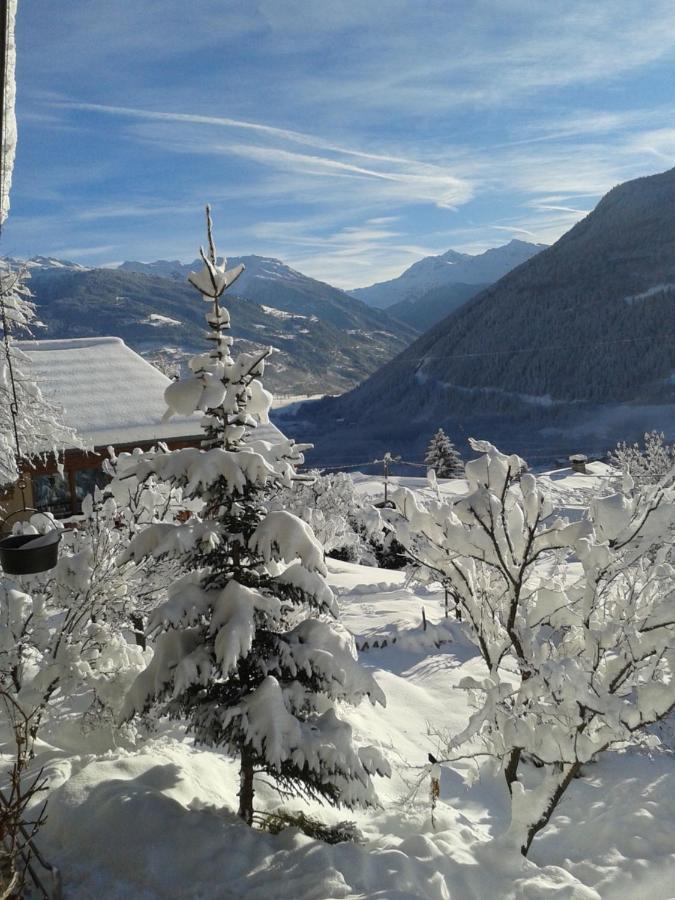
(566, 777)
(139, 634)
(246, 786)
(10, 880)
(511, 770)
(532, 809)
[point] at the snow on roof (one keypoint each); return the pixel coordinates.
(110, 394)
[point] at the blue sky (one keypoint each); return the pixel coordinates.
(348, 139)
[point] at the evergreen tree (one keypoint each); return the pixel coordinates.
(248, 649)
(442, 456)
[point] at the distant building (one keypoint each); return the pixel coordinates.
(112, 397)
(578, 462)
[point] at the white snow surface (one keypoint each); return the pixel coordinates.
(109, 393)
(156, 320)
(156, 820)
(280, 313)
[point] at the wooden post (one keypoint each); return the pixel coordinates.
(386, 461)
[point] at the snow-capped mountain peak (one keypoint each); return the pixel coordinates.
(451, 267)
(36, 263)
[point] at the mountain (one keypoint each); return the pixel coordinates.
(39, 263)
(326, 340)
(569, 352)
(162, 268)
(271, 282)
(449, 268)
(433, 306)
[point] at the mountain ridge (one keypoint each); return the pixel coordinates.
(325, 340)
(451, 267)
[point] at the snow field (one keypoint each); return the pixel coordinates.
(158, 821)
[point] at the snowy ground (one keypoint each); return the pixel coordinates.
(288, 404)
(570, 491)
(156, 820)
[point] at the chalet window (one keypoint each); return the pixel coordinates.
(86, 480)
(62, 495)
(52, 493)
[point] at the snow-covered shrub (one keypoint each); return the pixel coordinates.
(575, 623)
(330, 507)
(39, 429)
(388, 551)
(347, 526)
(443, 457)
(21, 813)
(247, 646)
(649, 463)
(77, 630)
(62, 635)
(277, 821)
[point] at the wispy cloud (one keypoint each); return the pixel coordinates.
(408, 180)
(343, 140)
(513, 229)
(76, 253)
(659, 143)
(226, 122)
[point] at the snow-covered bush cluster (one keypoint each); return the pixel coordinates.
(575, 622)
(328, 505)
(39, 427)
(72, 637)
(347, 526)
(649, 463)
(247, 646)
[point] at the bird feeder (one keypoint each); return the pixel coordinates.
(28, 554)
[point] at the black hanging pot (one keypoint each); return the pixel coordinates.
(28, 554)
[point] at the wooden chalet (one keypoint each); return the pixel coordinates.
(111, 397)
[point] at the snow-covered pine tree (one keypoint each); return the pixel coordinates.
(443, 457)
(249, 651)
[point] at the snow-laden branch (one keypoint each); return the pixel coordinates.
(574, 621)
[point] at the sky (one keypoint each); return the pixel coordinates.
(348, 139)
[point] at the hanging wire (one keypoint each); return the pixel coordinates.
(14, 403)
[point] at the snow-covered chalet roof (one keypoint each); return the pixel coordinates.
(110, 394)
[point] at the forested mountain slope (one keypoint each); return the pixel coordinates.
(585, 327)
(435, 305)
